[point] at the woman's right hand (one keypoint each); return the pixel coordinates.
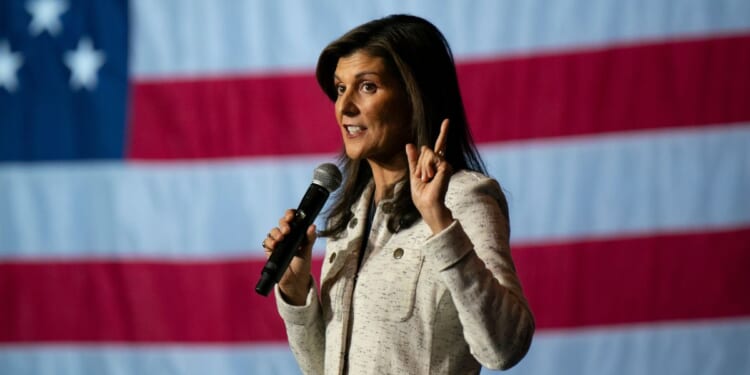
(295, 283)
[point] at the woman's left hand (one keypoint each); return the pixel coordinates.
(429, 174)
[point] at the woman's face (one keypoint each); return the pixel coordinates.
(372, 109)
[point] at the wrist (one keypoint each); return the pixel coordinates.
(295, 295)
(439, 220)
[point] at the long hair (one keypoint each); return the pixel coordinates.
(421, 59)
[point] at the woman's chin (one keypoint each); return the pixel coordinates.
(354, 153)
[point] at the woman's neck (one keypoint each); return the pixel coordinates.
(385, 176)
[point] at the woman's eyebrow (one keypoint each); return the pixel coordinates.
(358, 75)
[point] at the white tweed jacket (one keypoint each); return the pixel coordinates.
(420, 304)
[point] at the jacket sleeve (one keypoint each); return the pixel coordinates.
(474, 261)
(305, 331)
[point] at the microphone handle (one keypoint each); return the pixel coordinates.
(304, 216)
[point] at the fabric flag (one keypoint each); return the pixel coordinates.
(146, 147)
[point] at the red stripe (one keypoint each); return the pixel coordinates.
(620, 281)
(97, 301)
(685, 83)
(608, 282)
(231, 117)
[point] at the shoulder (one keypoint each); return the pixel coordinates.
(474, 191)
(465, 184)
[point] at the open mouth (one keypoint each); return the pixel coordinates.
(354, 129)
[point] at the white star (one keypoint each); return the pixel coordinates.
(9, 64)
(45, 15)
(84, 63)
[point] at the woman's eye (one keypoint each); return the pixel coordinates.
(368, 87)
(340, 89)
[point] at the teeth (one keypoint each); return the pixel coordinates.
(354, 129)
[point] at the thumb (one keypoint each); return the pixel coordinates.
(312, 233)
(442, 176)
(413, 156)
(310, 236)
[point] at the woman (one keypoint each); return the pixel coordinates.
(417, 276)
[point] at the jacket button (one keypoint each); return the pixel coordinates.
(331, 258)
(353, 223)
(398, 253)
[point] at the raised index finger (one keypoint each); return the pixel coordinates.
(440, 143)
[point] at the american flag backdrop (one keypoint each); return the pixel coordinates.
(147, 146)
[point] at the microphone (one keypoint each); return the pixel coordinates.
(326, 179)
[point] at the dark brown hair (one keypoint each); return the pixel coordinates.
(421, 59)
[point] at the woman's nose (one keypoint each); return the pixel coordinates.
(346, 105)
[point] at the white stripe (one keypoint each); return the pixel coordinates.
(709, 348)
(164, 210)
(718, 347)
(147, 359)
(177, 38)
(632, 183)
(604, 186)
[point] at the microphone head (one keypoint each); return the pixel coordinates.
(327, 176)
